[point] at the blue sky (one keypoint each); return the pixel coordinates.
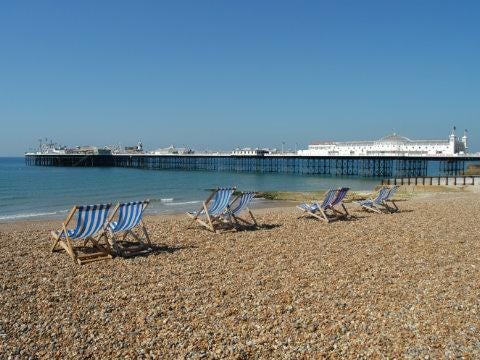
(223, 74)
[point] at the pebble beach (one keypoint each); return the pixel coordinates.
(402, 285)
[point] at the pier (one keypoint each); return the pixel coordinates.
(362, 166)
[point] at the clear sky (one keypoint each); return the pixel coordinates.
(223, 74)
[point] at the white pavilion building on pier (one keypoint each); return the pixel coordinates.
(391, 145)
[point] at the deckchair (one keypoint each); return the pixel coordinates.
(212, 209)
(129, 217)
(237, 206)
(319, 211)
(91, 227)
(389, 199)
(378, 203)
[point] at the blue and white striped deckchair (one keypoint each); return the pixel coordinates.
(91, 226)
(319, 211)
(378, 203)
(130, 215)
(338, 200)
(237, 206)
(213, 208)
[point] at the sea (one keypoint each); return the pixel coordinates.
(36, 192)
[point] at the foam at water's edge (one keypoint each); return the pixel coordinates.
(31, 215)
(183, 203)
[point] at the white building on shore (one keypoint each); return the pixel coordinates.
(391, 145)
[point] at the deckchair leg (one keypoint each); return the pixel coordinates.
(345, 209)
(253, 217)
(114, 244)
(371, 208)
(69, 248)
(145, 233)
(391, 209)
(235, 222)
(55, 241)
(211, 227)
(324, 216)
(395, 206)
(315, 216)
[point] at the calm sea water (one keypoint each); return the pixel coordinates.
(33, 192)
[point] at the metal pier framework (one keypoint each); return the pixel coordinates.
(374, 166)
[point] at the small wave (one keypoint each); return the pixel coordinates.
(182, 203)
(31, 215)
(161, 200)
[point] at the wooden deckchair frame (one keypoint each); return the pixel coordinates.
(115, 244)
(212, 220)
(239, 219)
(66, 243)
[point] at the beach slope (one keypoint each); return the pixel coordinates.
(398, 285)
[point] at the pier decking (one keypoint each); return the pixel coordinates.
(363, 166)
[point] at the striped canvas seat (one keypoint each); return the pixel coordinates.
(339, 196)
(378, 200)
(213, 208)
(129, 216)
(338, 201)
(90, 219)
(218, 204)
(245, 200)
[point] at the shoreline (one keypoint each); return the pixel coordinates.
(268, 205)
(272, 199)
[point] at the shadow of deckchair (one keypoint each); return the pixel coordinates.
(156, 249)
(260, 227)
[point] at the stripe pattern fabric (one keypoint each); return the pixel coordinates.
(90, 219)
(245, 200)
(381, 197)
(218, 204)
(129, 216)
(339, 196)
(220, 201)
